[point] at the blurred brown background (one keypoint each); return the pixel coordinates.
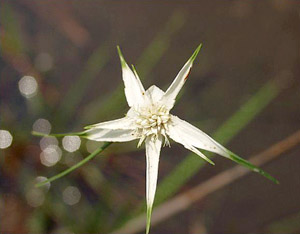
(69, 48)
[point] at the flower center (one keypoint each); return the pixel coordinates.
(152, 122)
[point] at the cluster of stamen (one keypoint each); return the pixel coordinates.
(152, 122)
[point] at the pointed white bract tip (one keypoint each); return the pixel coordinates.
(134, 70)
(119, 49)
(123, 62)
(194, 55)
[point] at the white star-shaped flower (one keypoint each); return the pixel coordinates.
(149, 120)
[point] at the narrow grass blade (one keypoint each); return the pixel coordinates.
(75, 94)
(11, 37)
(58, 134)
(249, 165)
(69, 170)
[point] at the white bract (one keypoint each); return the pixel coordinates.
(149, 120)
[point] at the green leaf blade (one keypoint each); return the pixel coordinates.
(148, 224)
(79, 164)
(34, 133)
(250, 166)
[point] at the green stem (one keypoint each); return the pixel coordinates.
(57, 135)
(88, 158)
